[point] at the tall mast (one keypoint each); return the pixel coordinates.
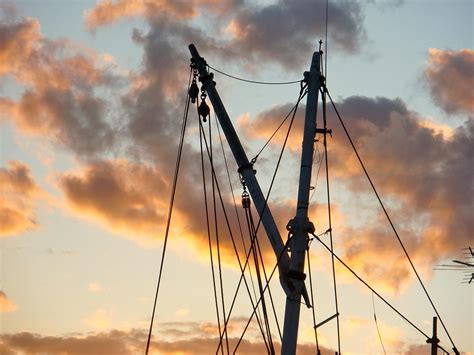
(245, 167)
(290, 267)
(301, 226)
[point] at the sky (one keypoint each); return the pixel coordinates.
(92, 95)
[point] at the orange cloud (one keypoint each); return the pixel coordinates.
(450, 75)
(18, 195)
(108, 11)
(6, 305)
(174, 338)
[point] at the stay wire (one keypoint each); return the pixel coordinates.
(216, 231)
(235, 204)
(377, 325)
(270, 347)
(255, 81)
(170, 209)
(264, 289)
(266, 280)
(232, 239)
(277, 129)
(390, 221)
(370, 287)
(326, 161)
(209, 235)
(301, 95)
(312, 301)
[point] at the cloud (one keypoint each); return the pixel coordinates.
(6, 305)
(178, 337)
(422, 173)
(107, 12)
(282, 32)
(286, 31)
(449, 76)
(94, 287)
(59, 82)
(18, 195)
(100, 319)
(125, 196)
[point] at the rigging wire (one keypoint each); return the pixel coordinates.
(216, 232)
(235, 206)
(231, 236)
(377, 325)
(312, 300)
(266, 280)
(255, 81)
(326, 161)
(264, 289)
(170, 209)
(251, 228)
(390, 221)
(369, 287)
(302, 94)
(209, 235)
(254, 159)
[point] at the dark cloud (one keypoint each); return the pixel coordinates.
(286, 31)
(450, 76)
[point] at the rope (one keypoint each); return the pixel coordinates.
(377, 325)
(370, 288)
(301, 95)
(255, 81)
(231, 235)
(277, 129)
(170, 210)
(312, 302)
(264, 289)
(235, 207)
(390, 221)
(216, 231)
(209, 236)
(266, 280)
(323, 97)
(251, 228)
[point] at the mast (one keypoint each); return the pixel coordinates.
(300, 226)
(245, 168)
(290, 267)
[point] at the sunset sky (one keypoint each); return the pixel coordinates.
(92, 95)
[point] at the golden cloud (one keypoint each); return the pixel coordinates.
(6, 305)
(18, 195)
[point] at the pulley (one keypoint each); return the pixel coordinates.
(193, 91)
(245, 199)
(203, 109)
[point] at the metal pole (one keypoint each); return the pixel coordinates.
(300, 226)
(434, 339)
(245, 168)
